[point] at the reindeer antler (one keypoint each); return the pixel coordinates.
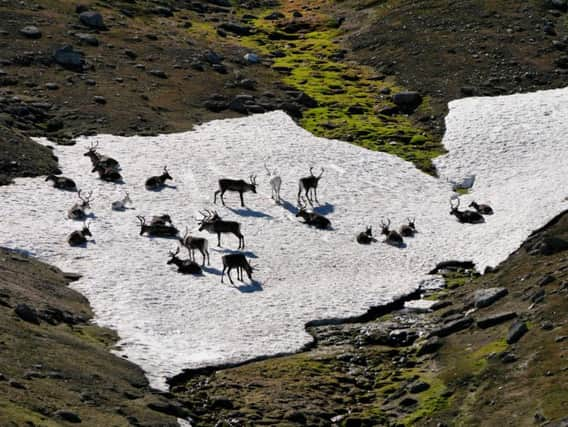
(451, 203)
(322, 171)
(267, 170)
(312, 171)
(141, 219)
(174, 254)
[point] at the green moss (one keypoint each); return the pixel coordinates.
(430, 401)
(12, 414)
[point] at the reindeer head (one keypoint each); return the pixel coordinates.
(51, 178)
(208, 219)
(253, 183)
(312, 173)
(127, 198)
(92, 151)
(454, 208)
(473, 205)
(369, 231)
(385, 227)
(302, 207)
(85, 231)
(166, 174)
(85, 202)
(173, 256)
(411, 221)
(142, 223)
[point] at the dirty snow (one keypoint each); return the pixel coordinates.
(514, 145)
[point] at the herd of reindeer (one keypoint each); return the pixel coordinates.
(162, 226)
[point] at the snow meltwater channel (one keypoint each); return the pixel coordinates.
(515, 145)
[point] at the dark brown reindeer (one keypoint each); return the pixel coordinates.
(62, 182)
(392, 236)
(79, 237)
(158, 182)
(156, 230)
(408, 230)
(96, 158)
(366, 237)
(161, 220)
(237, 185)
(482, 209)
(184, 266)
(191, 243)
(312, 218)
(465, 217)
(213, 223)
(77, 211)
(238, 261)
(310, 183)
(107, 173)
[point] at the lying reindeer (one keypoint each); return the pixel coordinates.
(408, 230)
(79, 237)
(156, 230)
(184, 266)
(312, 218)
(392, 237)
(469, 217)
(482, 209)
(77, 211)
(275, 183)
(62, 183)
(191, 243)
(161, 220)
(238, 261)
(107, 173)
(309, 185)
(366, 237)
(120, 205)
(159, 181)
(239, 186)
(96, 158)
(212, 223)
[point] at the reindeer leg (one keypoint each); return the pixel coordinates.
(299, 192)
(242, 201)
(316, 195)
(223, 275)
(219, 239)
(208, 259)
(222, 198)
(229, 274)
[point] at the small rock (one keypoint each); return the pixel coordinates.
(252, 58)
(31, 32)
(507, 357)
(90, 82)
(274, 16)
(70, 417)
(16, 384)
(27, 313)
(99, 99)
(408, 102)
(495, 319)
(547, 325)
(89, 39)
(130, 54)
(431, 345)
(408, 401)
(418, 387)
(212, 57)
(158, 73)
(52, 86)
(220, 68)
(516, 331)
(295, 416)
(168, 407)
(92, 19)
(546, 280)
(3, 377)
(485, 297)
(238, 29)
(68, 58)
(452, 327)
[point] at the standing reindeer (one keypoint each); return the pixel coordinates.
(96, 158)
(62, 182)
(238, 261)
(239, 186)
(191, 243)
(408, 230)
(482, 209)
(77, 211)
(157, 182)
(312, 218)
(212, 223)
(310, 183)
(275, 183)
(185, 266)
(120, 205)
(392, 237)
(366, 237)
(78, 237)
(469, 217)
(107, 173)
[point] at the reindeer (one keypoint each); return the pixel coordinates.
(310, 183)
(96, 158)
(366, 237)
(157, 182)
(107, 173)
(157, 230)
(184, 266)
(191, 243)
(62, 183)
(238, 261)
(275, 183)
(392, 237)
(77, 211)
(469, 217)
(120, 205)
(408, 230)
(482, 209)
(213, 223)
(312, 218)
(78, 237)
(239, 185)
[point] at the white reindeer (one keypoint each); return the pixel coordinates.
(120, 205)
(275, 183)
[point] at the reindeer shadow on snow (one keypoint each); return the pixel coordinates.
(249, 213)
(254, 286)
(225, 251)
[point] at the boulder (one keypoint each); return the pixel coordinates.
(452, 327)
(92, 20)
(31, 32)
(27, 313)
(495, 319)
(69, 58)
(68, 416)
(89, 39)
(238, 29)
(485, 297)
(173, 408)
(516, 332)
(408, 102)
(252, 58)
(431, 345)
